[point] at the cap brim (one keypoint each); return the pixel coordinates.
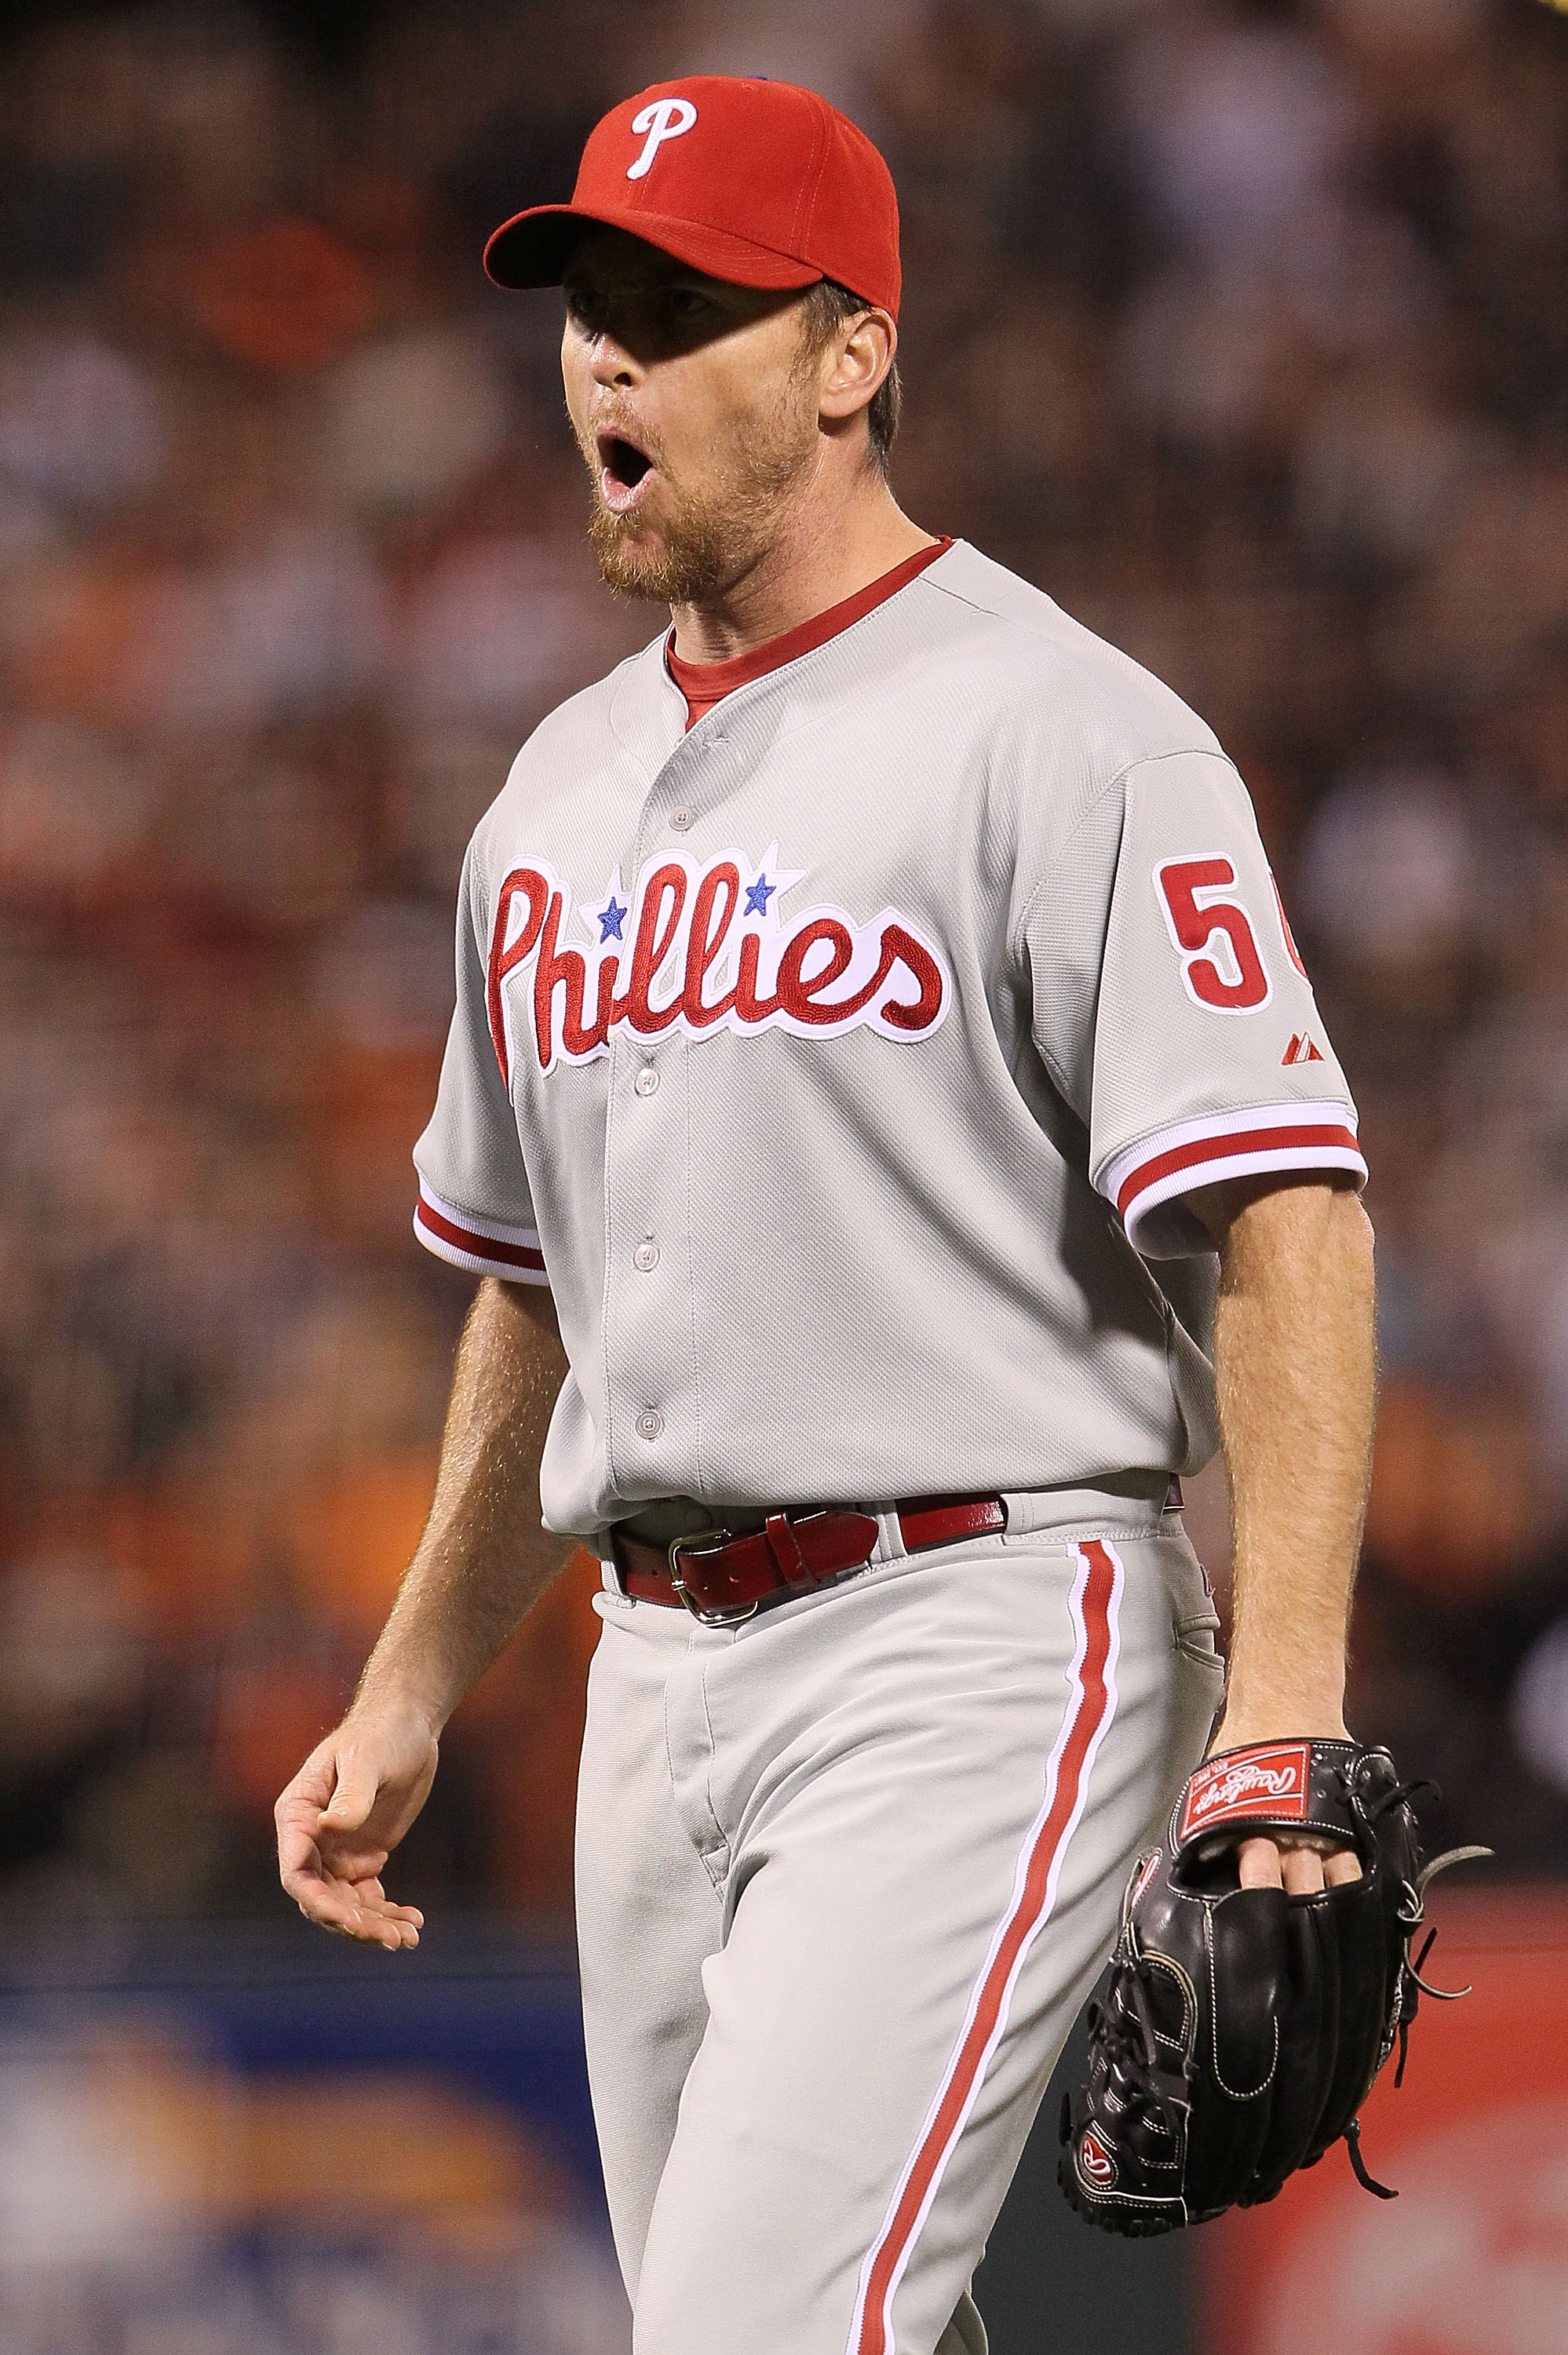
(532, 248)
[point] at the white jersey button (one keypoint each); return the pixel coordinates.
(645, 1258)
(647, 1081)
(681, 819)
(649, 1423)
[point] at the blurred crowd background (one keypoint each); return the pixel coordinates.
(1239, 328)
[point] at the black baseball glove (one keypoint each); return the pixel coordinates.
(1243, 2027)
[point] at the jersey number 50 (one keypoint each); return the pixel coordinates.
(1222, 964)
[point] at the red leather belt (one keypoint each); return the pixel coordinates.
(721, 1577)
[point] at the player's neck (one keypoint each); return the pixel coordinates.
(831, 542)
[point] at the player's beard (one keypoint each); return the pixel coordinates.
(704, 541)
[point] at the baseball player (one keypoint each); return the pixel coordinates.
(886, 1109)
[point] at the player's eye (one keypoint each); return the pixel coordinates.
(686, 303)
(586, 308)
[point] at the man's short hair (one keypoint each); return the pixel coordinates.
(828, 306)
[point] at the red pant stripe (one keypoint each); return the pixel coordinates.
(1096, 1593)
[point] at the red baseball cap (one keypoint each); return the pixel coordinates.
(757, 182)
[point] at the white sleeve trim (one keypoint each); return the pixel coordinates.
(483, 1246)
(1147, 1182)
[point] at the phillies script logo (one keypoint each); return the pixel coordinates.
(700, 947)
(1271, 1782)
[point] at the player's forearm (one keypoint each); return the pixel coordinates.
(1295, 1358)
(483, 1558)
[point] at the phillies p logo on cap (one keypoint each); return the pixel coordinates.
(777, 189)
(667, 119)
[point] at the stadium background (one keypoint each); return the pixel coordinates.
(1242, 330)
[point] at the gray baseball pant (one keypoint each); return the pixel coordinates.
(846, 1873)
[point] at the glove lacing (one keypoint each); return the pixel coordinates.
(1411, 1914)
(1126, 2036)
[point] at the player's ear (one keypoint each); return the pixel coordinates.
(855, 364)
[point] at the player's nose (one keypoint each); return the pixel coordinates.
(610, 361)
(611, 365)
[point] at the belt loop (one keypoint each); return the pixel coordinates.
(610, 1576)
(890, 1545)
(602, 1543)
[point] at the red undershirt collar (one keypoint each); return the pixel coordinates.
(706, 684)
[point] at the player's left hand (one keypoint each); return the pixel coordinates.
(1301, 1866)
(1301, 1870)
(1306, 2000)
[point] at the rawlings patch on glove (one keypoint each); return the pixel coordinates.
(1243, 2027)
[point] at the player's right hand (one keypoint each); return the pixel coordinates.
(343, 1814)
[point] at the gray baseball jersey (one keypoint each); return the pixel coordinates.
(843, 1063)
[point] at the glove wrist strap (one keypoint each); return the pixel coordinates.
(1303, 1785)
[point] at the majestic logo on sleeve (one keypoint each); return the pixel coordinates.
(700, 948)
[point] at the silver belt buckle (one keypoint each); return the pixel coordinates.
(728, 1614)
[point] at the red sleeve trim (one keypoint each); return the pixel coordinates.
(1247, 1146)
(483, 1247)
(1148, 1180)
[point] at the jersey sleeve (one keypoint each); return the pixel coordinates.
(474, 1206)
(1173, 1008)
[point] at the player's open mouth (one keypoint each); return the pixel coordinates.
(623, 471)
